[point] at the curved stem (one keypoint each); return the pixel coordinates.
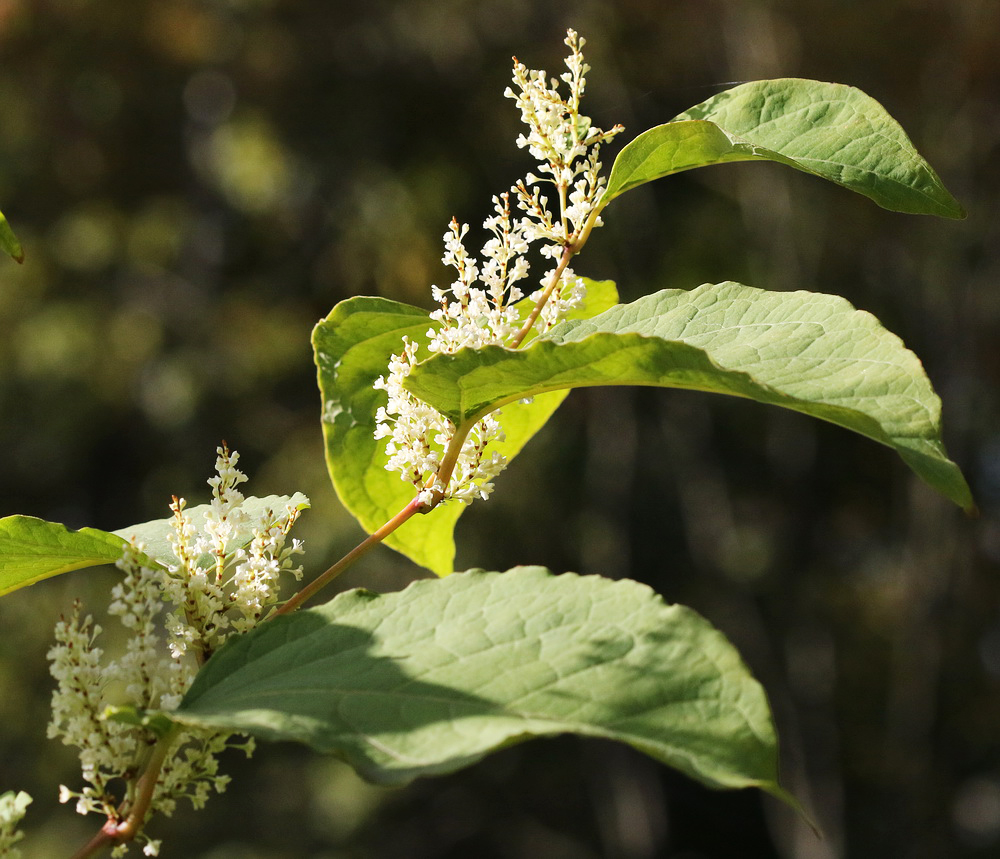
(442, 477)
(101, 840)
(114, 832)
(132, 825)
(415, 506)
(529, 323)
(588, 227)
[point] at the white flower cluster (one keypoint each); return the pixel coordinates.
(566, 144)
(480, 308)
(12, 809)
(216, 586)
(221, 584)
(418, 435)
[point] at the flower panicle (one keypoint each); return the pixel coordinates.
(482, 307)
(225, 577)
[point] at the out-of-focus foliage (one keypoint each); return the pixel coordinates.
(196, 182)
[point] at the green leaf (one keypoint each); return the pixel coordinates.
(812, 353)
(431, 679)
(33, 549)
(352, 346)
(830, 130)
(155, 535)
(8, 241)
(158, 722)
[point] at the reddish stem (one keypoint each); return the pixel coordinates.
(415, 506)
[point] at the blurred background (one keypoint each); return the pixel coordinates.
(197, 182)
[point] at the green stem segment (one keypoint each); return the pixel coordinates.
(118, 832)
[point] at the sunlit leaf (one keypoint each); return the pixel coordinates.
(433, 678)
(154, 536)
(353, 345)
(32, 549)
(813, 353)
(830, 130)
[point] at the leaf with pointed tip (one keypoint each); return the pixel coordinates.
(32, 549)
(353, 346)
(830, 130)
(813, 353)
(433, 678)
(8, 241)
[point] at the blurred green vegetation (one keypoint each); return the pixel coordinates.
(196, 182)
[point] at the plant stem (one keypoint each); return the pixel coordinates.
(442, 477)
(415, 506)
(588, 227)
(529, 323)
(114, 832)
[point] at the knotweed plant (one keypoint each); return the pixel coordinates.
(175, 615)
(422, 410)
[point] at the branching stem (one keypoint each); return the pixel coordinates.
(118, 832)
(557, 273)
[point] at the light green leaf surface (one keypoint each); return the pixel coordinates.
(431, 679)
(813, 353)
(830, 130)
(352, 346)
(32, 549)
(8, 241)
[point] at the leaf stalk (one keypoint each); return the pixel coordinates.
(317, 584)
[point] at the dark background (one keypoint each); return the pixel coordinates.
(197, 182)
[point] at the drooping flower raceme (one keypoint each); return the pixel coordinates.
(224, 580)
(483, 306)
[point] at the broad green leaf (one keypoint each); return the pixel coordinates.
(431, 679)
(8, 241)
(154, 536)
(813, 353)
(353, 345)
(32, 549)
(830, 130)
